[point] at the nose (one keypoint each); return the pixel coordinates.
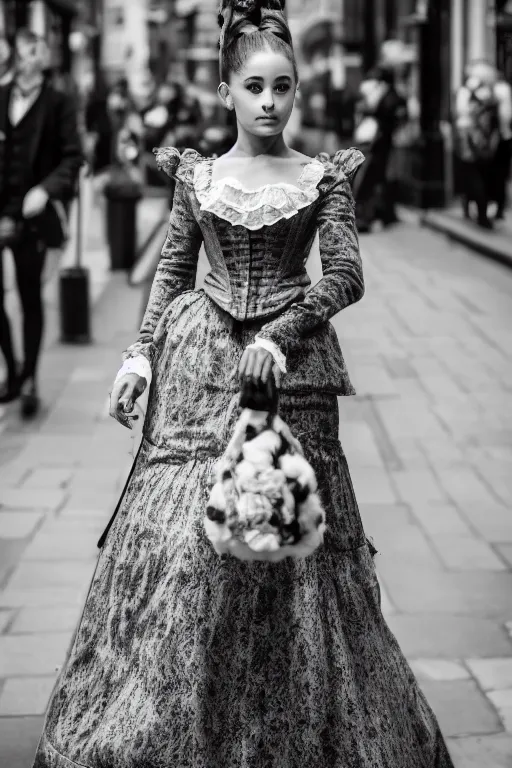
(268, 101)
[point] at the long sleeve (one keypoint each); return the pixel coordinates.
(60, 183)
(176, 271)
(342, 283)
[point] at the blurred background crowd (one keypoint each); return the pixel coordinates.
(423, 87)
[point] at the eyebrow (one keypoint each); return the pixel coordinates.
(261, 79)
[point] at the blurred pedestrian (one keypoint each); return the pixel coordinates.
(6, 62)
(501, 173)
(380, 111)
(40, 156)
(477, 136)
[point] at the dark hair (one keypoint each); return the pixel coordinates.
(248, 26)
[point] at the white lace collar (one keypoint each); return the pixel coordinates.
(254, 209)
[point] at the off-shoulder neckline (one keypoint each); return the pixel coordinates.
(234, 182)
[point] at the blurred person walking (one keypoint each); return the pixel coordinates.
(477, 138)
(380, 110)
(503, 160)
(40, 156)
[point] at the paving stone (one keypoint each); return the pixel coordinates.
(38, 574)
(502, 700)
(372, 485)
(63, 545)
(5, 618)
(26, 696)
(461, 708)
(492, 751)
(48, 478)
(464, 487)
(39, 597)
(492, 674)
(12, 474)
(440, 519)
(418, 484)
(15, 498)
(19, 737)
(61, 618)
(465, 553)
(408, 546)
(414, 589)
(441, 636)
(32, 654)
(492, 521)
(19, 524)
(359, 444)
(439, 669)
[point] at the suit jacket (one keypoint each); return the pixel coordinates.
(55, 152)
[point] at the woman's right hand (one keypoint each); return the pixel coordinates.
(123, 396)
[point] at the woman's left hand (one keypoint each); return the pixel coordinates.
(256, 366)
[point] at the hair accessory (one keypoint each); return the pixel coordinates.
(243, 17)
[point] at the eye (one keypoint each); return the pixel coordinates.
(254, 88)
(282, 88)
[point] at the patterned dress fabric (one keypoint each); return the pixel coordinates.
(182, 658)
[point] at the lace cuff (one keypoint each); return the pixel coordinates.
(274, 350)
(139, 365)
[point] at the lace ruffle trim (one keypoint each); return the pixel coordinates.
(254, 209)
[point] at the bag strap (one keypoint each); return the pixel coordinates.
(104, 535)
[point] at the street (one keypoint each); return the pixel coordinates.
(428, 439)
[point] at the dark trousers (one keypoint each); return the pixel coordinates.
(501, 173)
(369, 185)
(29, 257)
(475, 181)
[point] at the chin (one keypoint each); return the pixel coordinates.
(267, 129)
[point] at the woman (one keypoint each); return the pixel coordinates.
(183, 659)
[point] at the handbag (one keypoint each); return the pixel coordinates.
(263, 503)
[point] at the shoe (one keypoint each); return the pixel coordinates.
(11, 391)
(485, 223)
(30, 402)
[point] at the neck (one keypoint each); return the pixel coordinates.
(27, 82)
(251, 145)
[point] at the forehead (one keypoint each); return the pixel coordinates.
(266, 64)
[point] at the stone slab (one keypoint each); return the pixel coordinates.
(418, 485)
(48, 478)
(449, 637)
(38, 574)
(467, 553)
(439, 670)
(32, 654)
(19, 524)
(417, 589)
(493, 751)
(62, 618)
(461, 708)
(492, 674)
(63, 545)
(39, 500)
(26, 696)
(19, 737)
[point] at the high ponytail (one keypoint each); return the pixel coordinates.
(247, 26)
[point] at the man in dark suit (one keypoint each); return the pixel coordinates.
(40, 157)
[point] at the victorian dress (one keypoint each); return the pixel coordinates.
(182, 658)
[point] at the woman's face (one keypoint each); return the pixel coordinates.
(263, 93)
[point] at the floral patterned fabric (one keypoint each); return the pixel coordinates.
(183, 659)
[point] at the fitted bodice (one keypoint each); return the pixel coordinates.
(257, 241)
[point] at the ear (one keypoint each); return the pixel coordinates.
(225, 96)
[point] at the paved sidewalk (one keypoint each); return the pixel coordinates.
(428, 441)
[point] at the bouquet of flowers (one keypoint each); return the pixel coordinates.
(263, 503)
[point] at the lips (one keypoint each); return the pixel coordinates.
(268, 118)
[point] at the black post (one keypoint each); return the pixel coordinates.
(431, 151)
(75, 325)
